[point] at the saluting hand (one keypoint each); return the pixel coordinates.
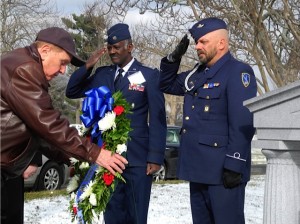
(112, 162)
(179, 50)
(94, 58)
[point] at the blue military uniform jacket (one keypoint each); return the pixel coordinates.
(217, 129)
(147, 143)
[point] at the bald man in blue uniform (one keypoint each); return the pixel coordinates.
(215, 149)
(145, 151)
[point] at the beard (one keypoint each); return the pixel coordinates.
(206, 56)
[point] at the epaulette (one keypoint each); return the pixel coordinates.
(145, 66)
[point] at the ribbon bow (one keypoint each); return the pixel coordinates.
(95, 105)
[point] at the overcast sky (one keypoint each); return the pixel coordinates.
(71, 6)
(68, 7)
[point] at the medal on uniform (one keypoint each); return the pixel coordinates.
(137, 87)
(210, 85)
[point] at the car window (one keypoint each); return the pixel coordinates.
(172, 136)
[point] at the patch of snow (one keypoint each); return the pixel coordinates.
(169, 203)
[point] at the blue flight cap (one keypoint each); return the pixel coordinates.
(205, 26)
(118, 33)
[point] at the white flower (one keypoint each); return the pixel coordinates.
(84, 165)
(73, 196)
(82, 130)
(73, 160)
(93, 199)
(121, 148)
(73, 184)
(107, 122)
(87, 191)
(97, 218)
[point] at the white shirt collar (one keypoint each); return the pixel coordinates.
(125, 68)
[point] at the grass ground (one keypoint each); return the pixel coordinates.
(48, 194)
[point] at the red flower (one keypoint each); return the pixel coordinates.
(75, 209)
(118, 110)
(108, 178)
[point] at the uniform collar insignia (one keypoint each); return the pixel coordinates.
(245, 79)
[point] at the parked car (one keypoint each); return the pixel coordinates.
(50, 176)
(168, 169)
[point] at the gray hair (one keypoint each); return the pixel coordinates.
(127, 42)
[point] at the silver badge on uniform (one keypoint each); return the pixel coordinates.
(245, 79)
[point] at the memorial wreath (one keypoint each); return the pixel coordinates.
(106, 124)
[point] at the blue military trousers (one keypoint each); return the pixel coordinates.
(130, 201)
(214, 204)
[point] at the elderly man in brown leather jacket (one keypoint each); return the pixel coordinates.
(27, 112)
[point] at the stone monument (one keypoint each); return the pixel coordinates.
(277, 122)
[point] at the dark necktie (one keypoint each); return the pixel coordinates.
(118, 78)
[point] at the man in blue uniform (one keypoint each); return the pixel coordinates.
(215, 150)
(145, 152)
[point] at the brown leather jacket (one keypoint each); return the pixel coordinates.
(27, 113)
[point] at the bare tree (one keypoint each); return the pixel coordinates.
(264, 33)
(22, 19)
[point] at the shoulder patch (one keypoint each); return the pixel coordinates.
(245, 79)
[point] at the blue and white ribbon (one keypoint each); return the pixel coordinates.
(94, 107)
